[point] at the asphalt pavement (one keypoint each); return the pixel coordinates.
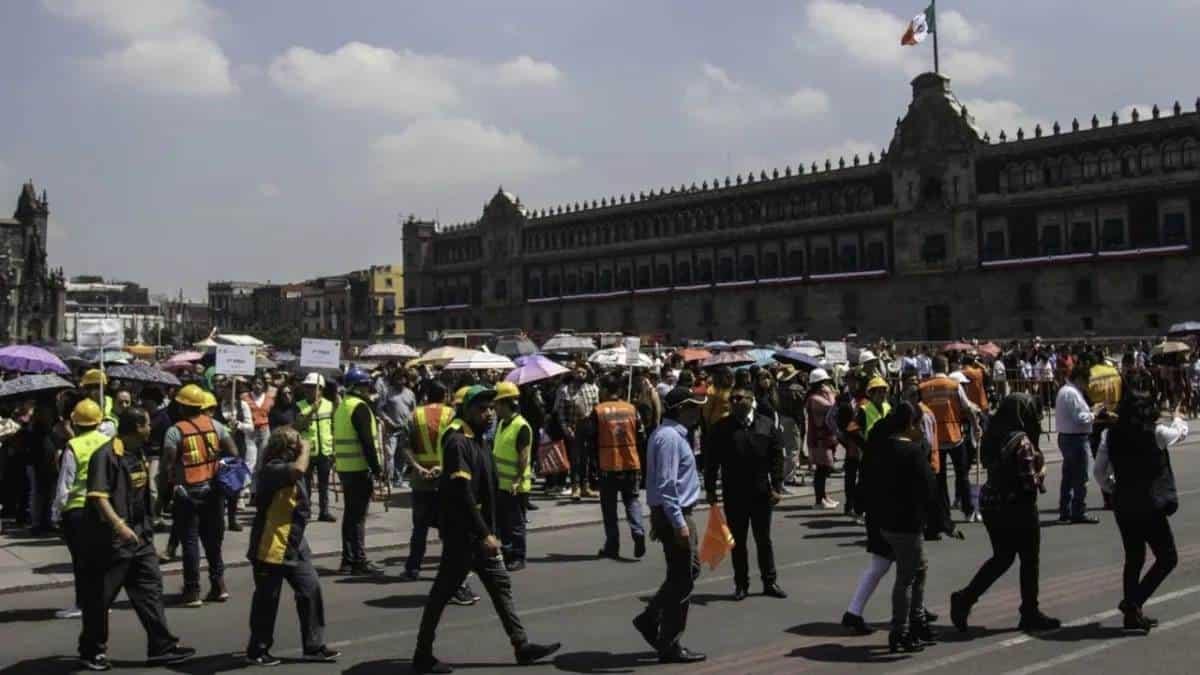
(567, 594)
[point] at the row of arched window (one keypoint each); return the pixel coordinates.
(1127, 162)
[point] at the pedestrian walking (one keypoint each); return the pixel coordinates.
(467, 510)
(672, 490)
(1073, 418)
(746, 455)
(613, 430)
(71, 492)
(279, 552)
(424, 454)
(951, 408)
(822, 441)
(356, 459)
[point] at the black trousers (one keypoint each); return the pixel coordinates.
(201, 523)
(140, 577)
(356, 487)
(72, 530)
(1014, 531)
(424, 516)
(668, 609)
(1137, 532)
(850, 469)
(820, 476)
(459, 557)
(510, 523)
(957, 454)
(320, 466)
(264, 607)
(746, 512)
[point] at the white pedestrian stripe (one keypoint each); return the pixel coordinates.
(1095, 649)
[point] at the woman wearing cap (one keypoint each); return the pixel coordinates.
(821, 439)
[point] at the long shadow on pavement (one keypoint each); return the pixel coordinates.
(604, 662)
(26, 615)
(398, 601)
(573, 557)
(394, 666)
(1091, 631)
(50, 665)
(832, 652)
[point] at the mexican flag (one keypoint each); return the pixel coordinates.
(919, 28)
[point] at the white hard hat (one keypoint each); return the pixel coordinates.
(315, 378)
(818, 375)
(865, 356)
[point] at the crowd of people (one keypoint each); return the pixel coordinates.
(108, 465)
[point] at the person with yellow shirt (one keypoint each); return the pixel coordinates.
(279, 552)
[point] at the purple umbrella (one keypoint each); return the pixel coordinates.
(30, 359)
(535, 369)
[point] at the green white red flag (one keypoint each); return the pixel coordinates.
(919, 28)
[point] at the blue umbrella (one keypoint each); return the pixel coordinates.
(762, 357)
(798, 359)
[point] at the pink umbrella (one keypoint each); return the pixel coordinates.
(181, 361)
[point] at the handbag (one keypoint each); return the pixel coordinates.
(552, 457)
(1163, 493)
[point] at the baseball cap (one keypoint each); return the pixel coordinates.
(478, 394)
(680, 396)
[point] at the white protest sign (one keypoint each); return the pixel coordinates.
(633, 346)
(835, 352)
(320, 353)
(235, 360)
(99, 333)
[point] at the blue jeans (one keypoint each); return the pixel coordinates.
(1072, 498)
(624, 483)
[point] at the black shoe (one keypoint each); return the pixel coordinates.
(739, 594)
(680, 655)
(960, 611)
(639, 547)
(612, 554)
(903, 643)
(648, 629)
(924, 633)
(515, 566)
(366, 569)
(428, 663)
(532, 507)
(175, 654)
(1085, 520)
(772, 590)
(930, 617)
(234, 526)
(411, 575)
(191, 599)
(265, 659)
(1135, 620)
(856, 624)
(1064, 518)
(464, 597)
(98, 662)
(1038, 622)
(327, 518)
(322, 655)
(217, 593)
(531, 652)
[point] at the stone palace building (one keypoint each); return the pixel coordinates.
(1082, 228)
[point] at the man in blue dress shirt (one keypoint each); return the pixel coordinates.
(672, 489)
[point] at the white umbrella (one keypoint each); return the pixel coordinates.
(569, 344)
(389, 350)
(618, 357)
(481, 361)
(440, 356)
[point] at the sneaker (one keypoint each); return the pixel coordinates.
(827, 504)
(175, 654)
(322, 655)
(532, 507)
(463, 597)
(1085, 520)
(576, 494)
(566, 492)
(589, 493)
(772, 590)
(98, 662)
(264, 659)
(191, 598)
(68, 613)
(217, 593)
(680, 655)
(530, 652)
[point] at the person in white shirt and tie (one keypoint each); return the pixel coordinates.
(1073, 418)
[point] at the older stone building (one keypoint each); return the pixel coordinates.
(1080, 228)
(33, 295)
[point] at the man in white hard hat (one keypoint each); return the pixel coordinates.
(315, 424)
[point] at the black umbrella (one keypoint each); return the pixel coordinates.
(798, 359)
(137, 372)
(27, 385)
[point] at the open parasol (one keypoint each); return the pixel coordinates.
(798, 358)
(514, 346)
(29, 385)
(619, 357)
(741, 344)
(693, 354)
(473, 360)
(1171, 347)
(731, 359)
(30, 359)
(137, 372)
(534, 369)
(1184, 329)
(958, 347)
(389, 350)
(440, 356)
(569, 344)
(990, 350)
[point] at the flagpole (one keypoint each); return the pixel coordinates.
(933, 7)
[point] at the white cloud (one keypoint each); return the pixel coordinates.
(994, 116)
(268, 190)
(971, 67)
(717, 100)
(954, 28)
(186, 66)
(364, 77)
(138, 18)
(437, 153)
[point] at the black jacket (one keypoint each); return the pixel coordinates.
(901, 485)
(1137, 463)
(748, 458)
(466, 489)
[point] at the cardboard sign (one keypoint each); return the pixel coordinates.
(320, 353)
(234, 360)
(633, 346)
(835, 352)
(99, 333)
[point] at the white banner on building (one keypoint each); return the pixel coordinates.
(99, 333)
(235, 360)
(320, 353)
(835, 352)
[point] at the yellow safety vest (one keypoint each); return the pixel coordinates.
(507, 456)
(319, 433)
(431, 421)
(873, 415)
(347, 449)
(83, 447)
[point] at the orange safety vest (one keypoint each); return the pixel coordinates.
(432, 421)
(941, 395)
(974, 388)
(616, 433)
(199, 450)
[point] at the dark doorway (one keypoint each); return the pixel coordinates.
(937, 322)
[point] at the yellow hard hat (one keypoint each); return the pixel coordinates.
(191, 395)
(94, 377)
(506, 390)
(460, 395)
(877, 383)
(86, 413)
(210, 401)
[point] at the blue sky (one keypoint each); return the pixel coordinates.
(189, 140)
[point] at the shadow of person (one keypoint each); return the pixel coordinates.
(398, 601)
(54, 568)
(26, 615)
(824, 629)
(48, 665)
(573, 557)
(832, 652)
(1091, 631)
(404, 665)
(604, 662)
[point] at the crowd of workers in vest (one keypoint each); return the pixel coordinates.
(126, 464)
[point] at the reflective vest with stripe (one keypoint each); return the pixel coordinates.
(941, 395)
(108, 413)
(347, 449)
(83, 447)
(873, 415)
(507, 455)
(199, 449)
(616, 436)
(319, 433)
(432, 421)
